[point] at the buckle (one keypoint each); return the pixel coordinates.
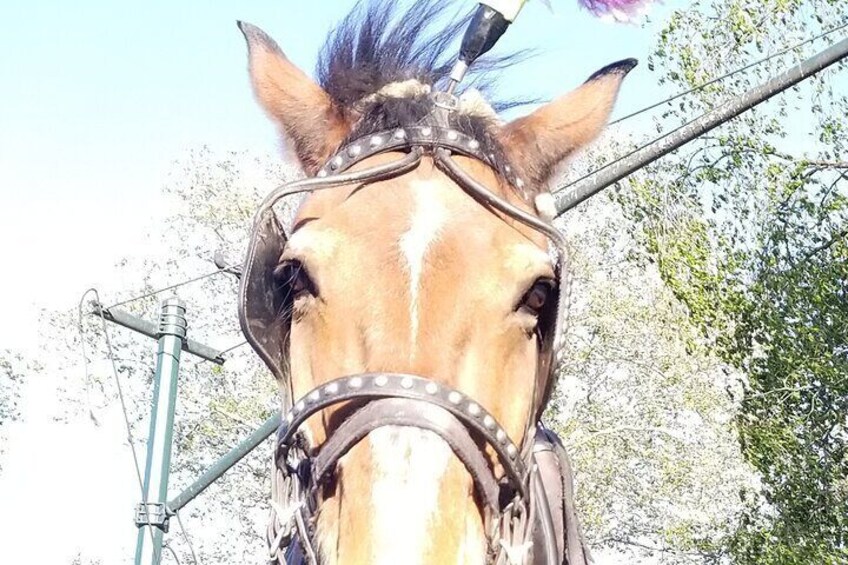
(445, 100)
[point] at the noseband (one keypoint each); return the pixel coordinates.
(514, 502)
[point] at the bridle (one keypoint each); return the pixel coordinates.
(514, 505)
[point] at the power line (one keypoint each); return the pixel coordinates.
(651, 142)
(232, 347)
(188, 539)
(167, 546)
(224, 351)
(729, 74)
(607, 175)
(625, 156)
(111, 355)
(226, 269)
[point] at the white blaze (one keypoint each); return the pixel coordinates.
(409, 464)
(428, 217)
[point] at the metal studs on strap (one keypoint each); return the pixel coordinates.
(416, 389)
(429, 137)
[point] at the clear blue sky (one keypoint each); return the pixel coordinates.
(99, 98)
(95, 93)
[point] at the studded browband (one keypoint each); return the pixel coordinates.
(430, 138)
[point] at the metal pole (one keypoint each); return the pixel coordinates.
(224, 464)
(584, 189)
(151, 512)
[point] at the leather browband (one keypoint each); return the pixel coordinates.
(430, 138)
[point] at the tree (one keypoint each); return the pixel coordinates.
(212, 199)
(12, 371)
(747, 227)
(644, 407)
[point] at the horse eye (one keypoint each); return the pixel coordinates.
(293, 277)
(537, 297)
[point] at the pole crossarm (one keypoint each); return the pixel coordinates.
(225, 463)
(123, 318)
(588, 187)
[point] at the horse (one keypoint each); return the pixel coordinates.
(412, 311)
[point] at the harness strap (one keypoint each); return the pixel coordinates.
(557, 488)
(408, 413)
(370, 386)
(258, 313)
(549, 360)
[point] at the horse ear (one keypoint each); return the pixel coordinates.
(542, 139)
(301, 108)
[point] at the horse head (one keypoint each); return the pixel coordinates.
(400, 275)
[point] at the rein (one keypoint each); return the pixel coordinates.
(514, 504)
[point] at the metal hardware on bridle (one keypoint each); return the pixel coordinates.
(512, 505)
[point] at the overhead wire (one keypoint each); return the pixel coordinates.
(187, 539)
(226, 269)
(224, 352)
(111, 354)
(167, 546)
(691, 90)
(729, 74)
(232, 347)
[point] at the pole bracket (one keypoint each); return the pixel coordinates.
(172, 320)
(152, 514)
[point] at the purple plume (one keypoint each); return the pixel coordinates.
(618, 10)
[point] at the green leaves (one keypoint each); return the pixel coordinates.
(748, 227)
(642, 405)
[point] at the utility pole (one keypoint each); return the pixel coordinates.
(151, 512)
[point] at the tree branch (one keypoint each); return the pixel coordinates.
(812, 162)
(573, 444)
(656, 549)
(234, 418)
(824, 246)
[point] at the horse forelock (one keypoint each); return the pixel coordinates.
(379, 67)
